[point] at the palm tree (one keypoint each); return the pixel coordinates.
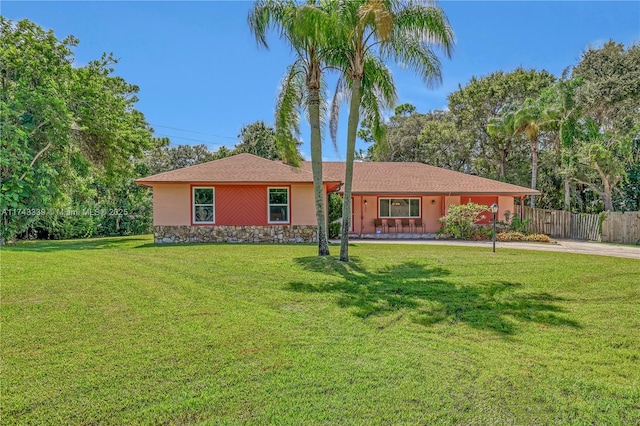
(501, 128)
(386, 29)
(304, 28)
(529, 122)
(560, 114)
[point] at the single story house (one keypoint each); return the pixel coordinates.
(245, 198)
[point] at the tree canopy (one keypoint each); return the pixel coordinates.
(63, 127)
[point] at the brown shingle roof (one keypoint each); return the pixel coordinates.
(413, 178)
(368, 177)
(238, 168)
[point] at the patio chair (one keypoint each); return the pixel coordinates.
(405, 224)
(391, 223)
(377, 223)
(417, 223)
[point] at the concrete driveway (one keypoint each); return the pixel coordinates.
(566, 246)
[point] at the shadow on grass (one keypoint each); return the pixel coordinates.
(428, 298)
(79, 244)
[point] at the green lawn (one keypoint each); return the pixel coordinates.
(121, 331)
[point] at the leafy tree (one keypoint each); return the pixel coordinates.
(305, 28)
(165, 157)
(401, 138)
(483, 99)
(369, 32)
(259, 139)
(430, 138)
(608, 97)
(60, 124)
(441, 144)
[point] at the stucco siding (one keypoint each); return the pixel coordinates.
(506, 204)
(172, 204)
(303, 207)
(431, 212)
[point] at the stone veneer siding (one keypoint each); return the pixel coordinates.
(236, 234)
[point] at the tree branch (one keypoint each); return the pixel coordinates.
(42, 151)
(591, 185)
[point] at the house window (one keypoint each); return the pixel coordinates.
(278, 205)
(399, 207)
(203, 205)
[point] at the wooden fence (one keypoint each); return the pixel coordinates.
(621, 227)
(615, 228)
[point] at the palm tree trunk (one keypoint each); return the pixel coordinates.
(503, 162)
(316, 167)
(534, 170)
(352, 129)
(567, 194)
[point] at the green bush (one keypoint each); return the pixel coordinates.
(480, 233)
(458, 222)
(334, 229)
(519, 225)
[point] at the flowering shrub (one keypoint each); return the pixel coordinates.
(458, 222)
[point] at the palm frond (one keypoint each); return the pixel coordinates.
(334, 116)
(267, 15)
(427, 23)
(287, 119)
(415, 55)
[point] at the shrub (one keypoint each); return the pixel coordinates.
(334, 229)
(479, 234)
(458, 222)
(519, 225)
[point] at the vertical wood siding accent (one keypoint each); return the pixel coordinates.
(241, 205)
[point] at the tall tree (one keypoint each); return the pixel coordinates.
(259, 139)
(305, 28)
(560, 115)
(501, 129)
(401, 136)
(60, 124)
(389, 30)
(483, 99)
(608, 97)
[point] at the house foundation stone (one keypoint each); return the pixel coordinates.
(236, 234)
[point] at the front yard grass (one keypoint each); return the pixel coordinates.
(121, 331)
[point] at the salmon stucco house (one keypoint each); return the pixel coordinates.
(245, 198)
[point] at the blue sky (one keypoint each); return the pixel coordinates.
(202, 76)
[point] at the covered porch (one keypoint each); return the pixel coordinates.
(413, 216)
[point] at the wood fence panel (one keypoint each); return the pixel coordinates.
(621, 227)
(617, 227)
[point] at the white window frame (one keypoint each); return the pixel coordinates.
(401, 198)
(194, 205)
(269, 205)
